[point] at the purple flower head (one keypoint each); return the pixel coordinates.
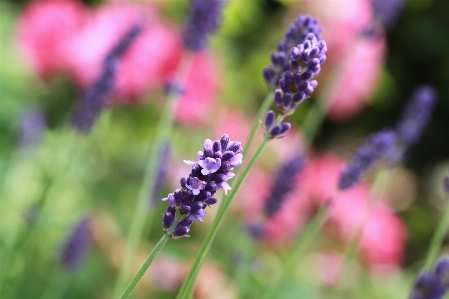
(94, 98)
(377, 145)
(204, 19)
(77, 245)
(442, 272)
(427, 286)
(283, 184)
(416, 114)
(209, 174)
(387, 11)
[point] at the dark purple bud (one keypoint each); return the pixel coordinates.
(287, 100)
(183, 183)
(204, 195)
(224, 140)
(185, 209)
(216, 146)
(179, 197)
(235, 147)
(427, 286)
(169, 217)
(285, 127)
(218, 155)
(211, 201)
(227, 155)
(298, 97)
(278, 96)
(269, 119)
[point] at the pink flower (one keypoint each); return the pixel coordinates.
(44, 30)
(357, 80)
(201, 89)
(146, 64)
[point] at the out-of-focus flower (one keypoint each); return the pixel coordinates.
(204, 18)
(377, 145)
(432, 284)
(416, 114)
(200, 90)
(209, 174)
(32, 126)
(387, 11)
(45, 29)
(147, 64)
(357, 58)
(357, 79)
(77, 245)
(95, 97)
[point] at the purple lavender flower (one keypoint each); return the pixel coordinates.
(32, 126)
(77, 245)
(387, 11)
(416, 114)
(283, 184)
(432, 284)
(209, 174)
(161, 173)
(94, 98)
(204, 18)
(377, 145)
(297, 61)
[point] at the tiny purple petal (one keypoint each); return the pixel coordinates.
(209, 165)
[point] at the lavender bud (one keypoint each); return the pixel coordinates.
(442, 272)
(269, 119)
(427, 287)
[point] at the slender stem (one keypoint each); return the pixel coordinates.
(298, 248)
(256, 124)
(142, 207)
(437, 239)
(151, 257)
(188, 284)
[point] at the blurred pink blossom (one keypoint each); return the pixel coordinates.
(151, 58)
(44, 30)
(201, 89)
(358, 59)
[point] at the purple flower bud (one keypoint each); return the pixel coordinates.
(278, 130)
(442, 272)
(427, 286)
(269, 119)
(168, 217)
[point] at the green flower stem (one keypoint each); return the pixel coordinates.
(351, 250)
(188, 284)
(267, 102)
(151, 257)
(141, 210)
(301, 244)
(437, 239)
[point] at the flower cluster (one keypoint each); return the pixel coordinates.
(416, 114)
(77, 244)
(208, 175)
(432, 284)
(204, 18)
(377, 145)
(94, 98)
(297, 61)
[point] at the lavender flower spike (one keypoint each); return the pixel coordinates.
(209, 174)
(377, 145)
(283, 184)
(77, 245)
(416, 114)
(432, 284)
(204, 18)
(94, 98)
